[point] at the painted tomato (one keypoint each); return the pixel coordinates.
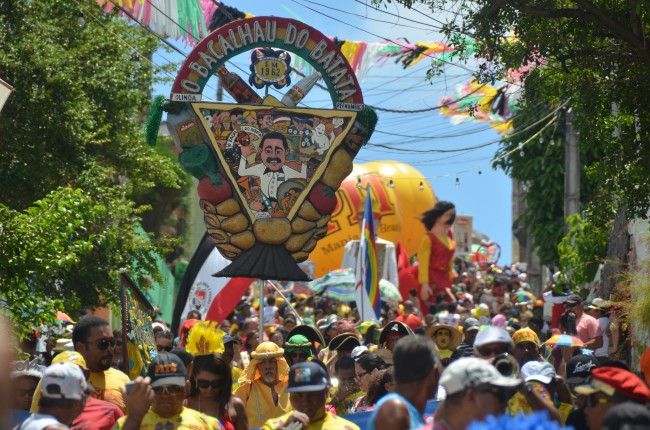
(215, 190)
(323, 198)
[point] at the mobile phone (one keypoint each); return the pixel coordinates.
(129, 387)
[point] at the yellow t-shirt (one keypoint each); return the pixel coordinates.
(519, 405)
(259, 402)
(187, 419)
(106, 384)
(346, 405)
(330, 422)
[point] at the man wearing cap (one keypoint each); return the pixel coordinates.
(63, 396)
(416, 370)
(156, 402)
(229, 355)
(471, 327)
(607, 387)
(492, 341)
(297, 349)
(599, 309)
(587, 326)
(578, 370)
(475, 390)
(526, 346)
(308, 388)
(542, 381)
(263, 384)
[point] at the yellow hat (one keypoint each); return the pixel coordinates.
(525, 335)
(70, 357)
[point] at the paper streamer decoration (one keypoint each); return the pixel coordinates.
(137, 334)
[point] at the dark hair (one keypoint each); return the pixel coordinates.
(213, 363)
(248, 345)
(369, 337)
(46, 402)
(182, 353)
(414, 358)
(270, 300)
(377, 386)
(194, 314)
(82, 329)
(344, 363)
(164, 334)
(567, 323)
(429, 217)
(370, 362)
(274, 135)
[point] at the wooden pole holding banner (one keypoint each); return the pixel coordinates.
(261, 313)
(285, 300)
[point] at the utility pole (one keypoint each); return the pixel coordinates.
(571, 168)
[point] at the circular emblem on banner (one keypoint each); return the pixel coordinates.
(270, 67)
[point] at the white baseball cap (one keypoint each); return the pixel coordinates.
(540, 371)
(492, 334)
(470, 372)
(63, 381)
(358, 351)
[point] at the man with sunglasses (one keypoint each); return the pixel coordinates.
(608, 387)
(156, 402)
(164, 341)
(475, 390)
(492, 341)
(587, 326)
(93, 339)
(526, 346)
(297, 349)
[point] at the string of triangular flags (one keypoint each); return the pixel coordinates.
(191, 20)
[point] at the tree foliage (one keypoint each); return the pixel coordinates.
(593, 54)
(73, 156)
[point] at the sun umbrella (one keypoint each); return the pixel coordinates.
(564, 340)
(61, 316)
(337, 284)
(389, 292)
(523, 296)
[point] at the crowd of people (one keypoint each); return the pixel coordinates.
(485, 351)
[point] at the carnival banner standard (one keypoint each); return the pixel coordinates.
(268, 171)
(137, 333)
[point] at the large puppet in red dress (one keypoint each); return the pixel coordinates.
(436, 252)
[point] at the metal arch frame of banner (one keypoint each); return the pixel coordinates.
(205, 58)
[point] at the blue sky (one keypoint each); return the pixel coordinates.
(485, 196)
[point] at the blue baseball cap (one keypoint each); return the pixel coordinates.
(307, 377)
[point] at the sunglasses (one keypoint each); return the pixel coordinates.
(104, 344)
(118, 343)
(25, 393)
(167, 389)
(593, 401)
(526, 346)
(167, 348)
(503, 395)
(298, 355)
(495, 350)
(205, 384)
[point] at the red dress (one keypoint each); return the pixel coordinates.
(436, 264)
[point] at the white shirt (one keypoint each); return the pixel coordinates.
(37, 422)
(603, 351)
(271, 180)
